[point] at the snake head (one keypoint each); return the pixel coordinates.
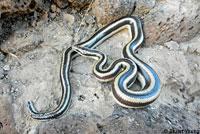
(81, 50)
(87, 52)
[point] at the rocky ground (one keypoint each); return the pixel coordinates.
(32, 43)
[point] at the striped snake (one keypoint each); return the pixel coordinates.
(124, 71)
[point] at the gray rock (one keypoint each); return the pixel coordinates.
(6, 67)
(53, 8)
(61, 3)
(79, 3)
(19, 7)
(172, 45)
(107, 11)
(69, 17)
(153, 121)
(53, 15)
(24, 43)
(143, 7)
(195, 107)
(90, 19)
(197, 67)
(7, 123)
(191, 46)
(172, 20)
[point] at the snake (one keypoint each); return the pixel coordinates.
(124, 72)
(122, 95)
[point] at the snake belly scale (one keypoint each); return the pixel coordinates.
(130, 65)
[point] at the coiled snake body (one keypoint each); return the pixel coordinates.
(130, 65)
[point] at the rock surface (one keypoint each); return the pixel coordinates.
(172, 20)
(22, 42)
(107, 11)
(61, 3)
(124, 122)
(79, 3)
(10, 7)
(163, 20)
(30, 72)
(7, 122)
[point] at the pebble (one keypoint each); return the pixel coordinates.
(53, 15)
(81, 98)
(197, 67)
(69, 17)
(53, 8)
(61, 3)
(12, 90)
(176, 100)
(6, 68)
(44, 14)
(192, 49)
(172, 45)
(58, 10)
(161, 47)
(61, 24)
(90, 19)
(16, 90)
